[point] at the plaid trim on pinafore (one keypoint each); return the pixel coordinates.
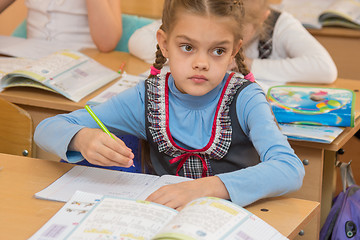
(195, 163)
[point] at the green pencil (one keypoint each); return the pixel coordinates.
(97, 120)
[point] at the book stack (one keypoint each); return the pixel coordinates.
(323, 13)
(312, 113)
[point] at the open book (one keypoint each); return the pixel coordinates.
(88, 216)
(126, 81)
(319, 13)
(33, 48)
(105, 182)
(9, 64)
(69, 73)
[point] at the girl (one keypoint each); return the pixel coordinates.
(278, 48)
(88, 23)
(200, 120)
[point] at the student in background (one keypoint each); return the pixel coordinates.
(201, 121)
(278, 48)
(4, 4)
(88, 23)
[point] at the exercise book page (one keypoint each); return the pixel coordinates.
(98, 181)
(115, 218)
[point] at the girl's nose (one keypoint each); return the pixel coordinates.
(201, 62)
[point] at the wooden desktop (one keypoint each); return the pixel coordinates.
(22, 215)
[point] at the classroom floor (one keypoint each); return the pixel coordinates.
(352, 152)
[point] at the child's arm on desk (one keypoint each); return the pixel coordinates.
(178, 195)
(100, 149)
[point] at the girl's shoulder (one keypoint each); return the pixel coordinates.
(287, 26)
(249, 85)
(246, 87)
(287, 19)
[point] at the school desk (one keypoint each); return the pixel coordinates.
(21, 215)
(42, 104)
(319, 183)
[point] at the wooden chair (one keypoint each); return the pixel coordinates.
(16, 130)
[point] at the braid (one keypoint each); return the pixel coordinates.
(160, 60)
(240, 63)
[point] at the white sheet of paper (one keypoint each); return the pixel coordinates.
(33, 48)
(98, 181)
(125, 82)
(306, 11)
(104, 182)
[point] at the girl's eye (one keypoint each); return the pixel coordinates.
(186, 48)
(219, 51)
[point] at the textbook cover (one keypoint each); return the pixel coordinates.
(312, 105)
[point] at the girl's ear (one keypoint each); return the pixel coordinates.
(266, 15)
(237, 46)
(162, 41)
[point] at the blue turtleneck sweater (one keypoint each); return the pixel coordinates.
(279, 172)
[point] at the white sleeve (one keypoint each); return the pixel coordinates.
(297, 56)
(142, 42)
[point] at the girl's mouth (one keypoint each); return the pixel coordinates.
(198, 78)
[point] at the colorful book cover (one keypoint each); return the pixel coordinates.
(312, 105)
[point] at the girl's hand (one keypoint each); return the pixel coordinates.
(99, 148)
(179, 194)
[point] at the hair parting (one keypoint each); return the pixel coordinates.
(232, 9)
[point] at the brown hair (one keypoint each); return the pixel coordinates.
(220, 8)
(255, 10)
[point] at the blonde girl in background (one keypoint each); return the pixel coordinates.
(200, 120)
(86, 23)
(278, 48)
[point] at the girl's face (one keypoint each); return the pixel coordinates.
(250, 33)
(199, 50)
(251, 29)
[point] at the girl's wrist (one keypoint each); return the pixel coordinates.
(214, 187)
(74, 143)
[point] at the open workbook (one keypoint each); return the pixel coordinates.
(125, 82)
(89, 216)
(319, 13)
(66, 72)
(105, 182)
